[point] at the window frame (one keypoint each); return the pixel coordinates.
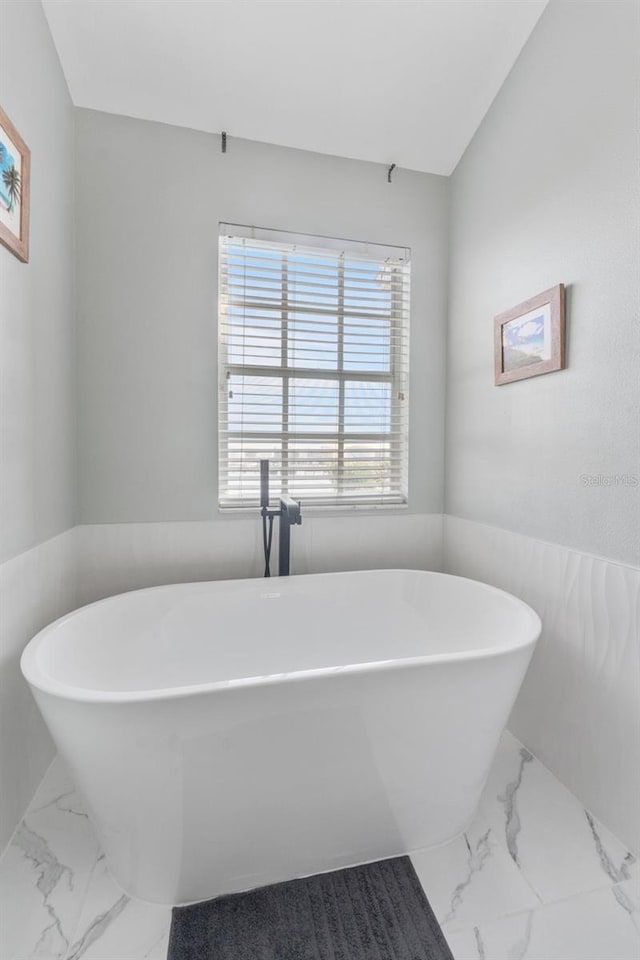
(396, 376)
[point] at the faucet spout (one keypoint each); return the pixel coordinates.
(290, 515)
(290, 511)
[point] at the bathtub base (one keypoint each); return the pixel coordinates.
(253, 787)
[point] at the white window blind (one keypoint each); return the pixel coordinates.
(313, 347)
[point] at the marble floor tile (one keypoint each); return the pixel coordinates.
(159, 951)
(534, 878)
(113, 926)
(559, 847)
(44, 873)
(600, 925)
(634, 882)
(628, 896)
(465, 945)
(470, 881)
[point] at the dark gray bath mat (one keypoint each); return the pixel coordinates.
(374, 912)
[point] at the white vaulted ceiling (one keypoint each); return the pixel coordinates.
(404, 81)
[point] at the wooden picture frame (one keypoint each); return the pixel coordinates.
(15, 182)
(529, 339)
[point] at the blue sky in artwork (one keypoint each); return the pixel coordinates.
(528, 336)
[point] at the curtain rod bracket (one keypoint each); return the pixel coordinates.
(390, 171)
(223, 136)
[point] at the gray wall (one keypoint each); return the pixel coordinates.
(37, 426)
(149, 199)
(547, 192)
(37, 373)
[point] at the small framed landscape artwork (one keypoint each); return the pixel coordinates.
(15, 159)
(529, 339)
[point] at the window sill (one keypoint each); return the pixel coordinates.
(317, 510)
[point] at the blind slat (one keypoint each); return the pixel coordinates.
(310, 308)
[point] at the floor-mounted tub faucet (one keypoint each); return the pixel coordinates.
(290, 514)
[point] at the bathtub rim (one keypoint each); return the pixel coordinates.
(39, 680)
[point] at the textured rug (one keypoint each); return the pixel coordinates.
(374, 912)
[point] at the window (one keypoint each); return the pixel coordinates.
(313, 337)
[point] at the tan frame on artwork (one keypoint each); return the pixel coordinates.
(555, 299)
(19, 245)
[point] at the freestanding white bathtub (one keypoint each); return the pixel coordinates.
(232, 734)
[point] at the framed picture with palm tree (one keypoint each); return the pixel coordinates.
(15, 162)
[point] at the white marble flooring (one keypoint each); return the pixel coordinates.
(534, 878)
